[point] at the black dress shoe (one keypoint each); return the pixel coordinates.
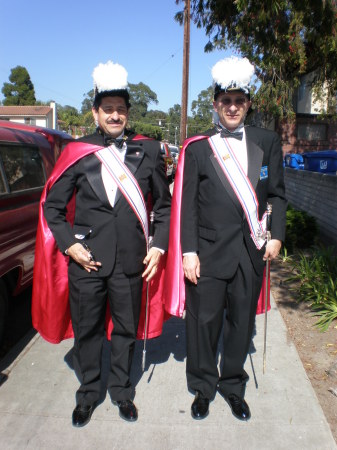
(239, 407)
(82, 415)
(199, 408)
(127, 410)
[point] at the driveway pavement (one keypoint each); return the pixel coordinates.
(38, 386)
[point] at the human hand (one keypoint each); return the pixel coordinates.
(191, 267)
(273, 248)
(151, 260)
(83, 257)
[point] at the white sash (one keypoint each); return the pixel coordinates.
(127, 184)
(241, 187)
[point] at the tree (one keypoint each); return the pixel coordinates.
(69, 117)
(202, 109)
(174, 115)
(87, 102)
(155, 117)
(20, 90)
(140, 98)
(148, 130)
(88, 122)
(284, 39)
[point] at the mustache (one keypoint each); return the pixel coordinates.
(114, 121)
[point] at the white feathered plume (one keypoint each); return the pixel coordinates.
(233, 72)
(109, 76)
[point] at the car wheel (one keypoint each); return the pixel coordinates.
(3, 309)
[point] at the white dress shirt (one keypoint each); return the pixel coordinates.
(109, 184)
(239, 147)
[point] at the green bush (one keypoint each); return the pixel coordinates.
(301, 230)
(316, 275)
(148, 130)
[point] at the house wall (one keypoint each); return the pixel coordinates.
(50, 120)
(289, 133)
(46, 118)
(316, 194)
(40, 122)
(306, 101)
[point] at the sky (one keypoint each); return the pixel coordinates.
(61, 42)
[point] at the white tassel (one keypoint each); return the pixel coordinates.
(109, 76)
(233, 72)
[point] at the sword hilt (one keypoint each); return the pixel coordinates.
(268, 220)
(151, 229)
(143, 360)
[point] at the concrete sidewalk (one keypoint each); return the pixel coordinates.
(37, 400)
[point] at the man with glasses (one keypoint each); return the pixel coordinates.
(229, 175)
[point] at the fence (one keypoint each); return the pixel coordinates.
(316, 194)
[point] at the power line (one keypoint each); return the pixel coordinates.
(164, 63)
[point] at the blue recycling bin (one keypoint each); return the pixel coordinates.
(324, 161)
(294, 160)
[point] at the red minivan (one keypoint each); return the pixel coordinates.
(27, 157)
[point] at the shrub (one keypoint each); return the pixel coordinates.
(316, 275)
(301, 230)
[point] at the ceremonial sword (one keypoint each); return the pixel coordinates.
(267, 286)
(149, 245)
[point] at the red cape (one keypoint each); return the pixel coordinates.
(50, 305)
(174, 284)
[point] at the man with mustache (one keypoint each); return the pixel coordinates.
(111, 176)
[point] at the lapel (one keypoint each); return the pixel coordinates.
(255, 157)
(222, 176)
(133, 157)
(225, 182)
(92, 168)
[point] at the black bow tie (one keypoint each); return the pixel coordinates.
(235, 134)
(117, 142)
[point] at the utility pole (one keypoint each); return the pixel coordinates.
(186, 61)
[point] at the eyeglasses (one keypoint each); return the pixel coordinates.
(121, 110)
(227, 101)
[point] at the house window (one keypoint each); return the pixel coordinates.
(312, 131)
(302, 90)
(22, 166)
(30, 121)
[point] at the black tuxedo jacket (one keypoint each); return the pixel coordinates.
(213, 221)
(111, 227)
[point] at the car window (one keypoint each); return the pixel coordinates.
(22, 166)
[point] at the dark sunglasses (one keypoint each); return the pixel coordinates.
(239, 101)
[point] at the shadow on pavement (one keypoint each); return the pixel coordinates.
(14, 352)
(158, 350)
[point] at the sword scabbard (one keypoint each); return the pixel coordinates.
(267, 286)
(149, 245)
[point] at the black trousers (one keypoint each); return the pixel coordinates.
(205, 305)
(88, 296)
